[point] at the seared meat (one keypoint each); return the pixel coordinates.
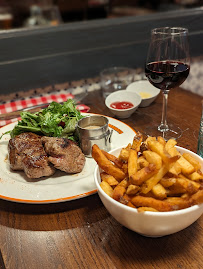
(64, 154)
(26, 153)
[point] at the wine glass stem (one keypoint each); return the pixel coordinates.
(163, 127)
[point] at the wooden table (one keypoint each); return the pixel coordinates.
(82, 234)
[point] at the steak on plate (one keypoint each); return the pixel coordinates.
(64, 154)
(27, 153)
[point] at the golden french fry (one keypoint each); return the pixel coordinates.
(150, 138)
(175, 168)
(109, 179)
(124, 155)
(124, 183)
(143, 174)
(145, 208)
(151, 182)
(170, 144)
(153, 157)
(105, 164)
(196, 176)
(132, 189)
(113, 159)
(167, 182)
(159, 191)
(137, 141)
(178, 202)
(189, 185)
(106, 188)
(118, 192)
(173, 152)
(197, 198)
(140, 201)
(186, 167)
(130, 204)
(157, 147)
(132, 162)
(161, 140)
(142, 162)
(192, 160)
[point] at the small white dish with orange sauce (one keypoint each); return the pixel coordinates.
(123, 104)
(146, 90)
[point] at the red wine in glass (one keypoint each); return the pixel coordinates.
(168, 74)
(167, 66)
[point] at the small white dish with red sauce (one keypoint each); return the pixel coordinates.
(146, 90)
(123, 104)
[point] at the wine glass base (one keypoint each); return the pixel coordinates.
(174, 132)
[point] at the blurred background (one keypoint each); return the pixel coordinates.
(33, 13)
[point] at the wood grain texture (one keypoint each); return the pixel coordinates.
(82, 234)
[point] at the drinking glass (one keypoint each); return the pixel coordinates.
(167, 66)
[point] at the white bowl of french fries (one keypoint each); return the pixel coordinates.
(153, 187)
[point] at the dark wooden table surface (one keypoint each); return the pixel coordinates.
(82, 234)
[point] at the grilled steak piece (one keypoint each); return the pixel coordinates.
(27, 153)
(64, 154)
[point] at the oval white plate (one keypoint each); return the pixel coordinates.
(14, 185)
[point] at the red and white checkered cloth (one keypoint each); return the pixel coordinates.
(29, 102)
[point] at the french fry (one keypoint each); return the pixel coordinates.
(124, 183)
(189, 185)
(142, 162)
(159, 191)
(142, 175)
(167, 182)
(173, 152)
(197, 198)
(140, 201)
(151, 182)
(178, 203)
(192, 160)
(149, 138)
(161, 140)
(170, 144)
(130, 204)
(132, 189)
(124, 155)
(118, 192)
(153, 157)
(157, 147)
(196, 176)
(106, 188)
(109, 179)
(132, 162)
(145, 208)
(113, 159)
(175, 168)
(105, 164)
(137, 141)
(186, 167)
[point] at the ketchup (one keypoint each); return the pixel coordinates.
(121, 105)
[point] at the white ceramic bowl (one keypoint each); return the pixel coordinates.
(151, 224)
(144, 86)
(120, 96)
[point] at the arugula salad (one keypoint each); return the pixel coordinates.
(57, 120)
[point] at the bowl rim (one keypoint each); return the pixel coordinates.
(147, 213)
(141, 82)
(127, 109)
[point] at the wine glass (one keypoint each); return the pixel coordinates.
(167, 66)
